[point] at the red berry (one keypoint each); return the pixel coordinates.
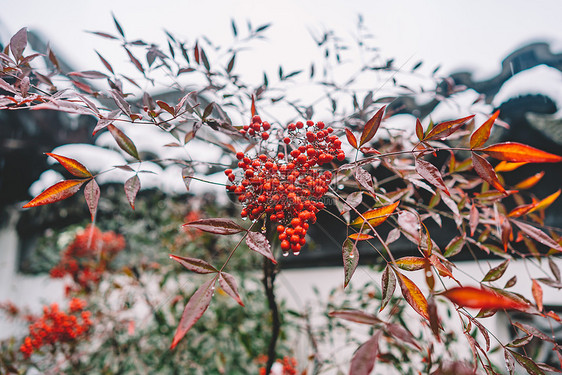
(287, 140)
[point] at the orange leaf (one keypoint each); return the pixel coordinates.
(485, 170)
(57, 192)
(360, 236)
(517, 152)
(376, 216)
(445, 129)
(530, 182)
(253, 107)
(411, 263)
(481, 135)
(419, 129)
(351, 138)
(371, 127)
(431, 174)
(74, 167)
(544, 203)
(413, 295)
(537, 293)
(505, 166)
(468, 296)
(522, 210)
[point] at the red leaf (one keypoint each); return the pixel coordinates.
(350, 256)
(253, 106)
(469, 296)
(104, 35)
(216, 226)
(355, 316)
(91, 74)
(71, 165)
(363, 360)
(132, 187)
(105, 63)
(413, 295)
(401, 333)
(445, 129)
(135, 61)
(537, 294)
(121, 102)
(371, 127)
(351, 138)
(57, 192)
(419, 129)
(194, 264)
(486, 172)
(166, 107)
(194, 309)
(537, 235)
(411, 263)
(517, 152)
(259, 243)
(18, 42)
(431, 174)
(7, 87)
(196, 54)
(124, 142)
(481, 135)
(388, 285)
(92, 195)
(228, 284)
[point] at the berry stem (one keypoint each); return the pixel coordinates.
(269, 274)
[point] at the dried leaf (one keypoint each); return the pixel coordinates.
(124, 142)
(132, 187)
(481, 135)
(216, 226)
(412, 294)
(486, 172)
(194, 309)
(371, 127)
(57, 192)
(496, 272)
(228, 284)
(517, 152)
(431, 174)
(356, 316)
(259, 243)
(350, 256)
(388, 285)
(74, 167)
(92, 195)
(194, 265)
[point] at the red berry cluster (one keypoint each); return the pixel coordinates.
(286, 188)
(56, 326)
(286, 366)
(88, 256)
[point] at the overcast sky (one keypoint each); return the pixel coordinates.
(455, 34)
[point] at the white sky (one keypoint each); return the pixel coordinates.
(455, 34)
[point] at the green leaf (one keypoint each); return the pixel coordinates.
(124, 142)
(350, 256)
(496, 272)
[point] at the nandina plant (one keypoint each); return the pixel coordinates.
(283, 172)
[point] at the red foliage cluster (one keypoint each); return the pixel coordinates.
(88, 256)
(56, 326)
(287, 187)
(286, 366)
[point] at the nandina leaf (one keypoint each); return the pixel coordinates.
(554, 269)
(350, 256)
(355, 316)
(517, 152)
(228, 284)
(455, 246)
(74, 167)
(537, 294)
(351, 138)
(419, 129)
(399, 332)
(496, 272)
(18, 42)
(7, 87)
(434, 321)
(216, 226)
(522, 341)
(135, 61)
(440, 267)
(529, 182)
(509, 362)
(533, 331)
(91, 74)
(92, 195)
(230, 65)
(445, 129)
(166, 107)
(253, 106)
(132, 187)
(431, 174)
(527, 363)
(259, 243)
(371, 127)
(194, 309)
(376, 216)
(511, 282)
(194, 264)
(505, 166)
(412, 294)
(360, 236)
(388, 285)
(486, 172)
(521, 210)
(118, 26)
(122, 104)
(124, 142)
(105, 63)
(481, 328)
(363, 360)
(544, 203)
(468, 296)
(57, 192)
(481, 135)
(411, 263)
(506, 233)
(537, 235)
